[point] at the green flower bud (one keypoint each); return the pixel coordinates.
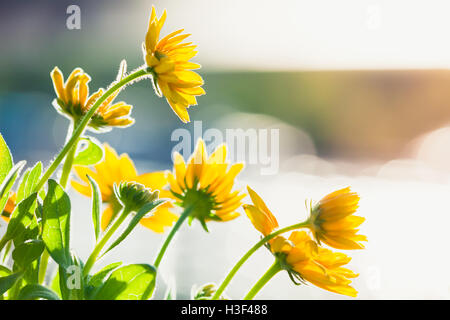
(133, 195)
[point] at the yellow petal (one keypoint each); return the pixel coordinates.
(259, 219)
(154, 180)
(58, 84)
(161, 218)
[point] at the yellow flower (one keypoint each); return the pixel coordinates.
(73, 101)
(305, 261)
(114, 169)
(9, 207)
(205, 185)
(168, 60)
(260, 216)
(332, 220)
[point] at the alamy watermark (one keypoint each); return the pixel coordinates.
(74, 274)
(73, 21)
(252, 146)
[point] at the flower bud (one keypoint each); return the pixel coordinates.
(134, 195)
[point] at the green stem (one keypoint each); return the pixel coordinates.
(93, 257)
(273, 270)
(175, 228)
(43, 266)
(252, 250)
(68, 162)
(67, 167)
(79, 130)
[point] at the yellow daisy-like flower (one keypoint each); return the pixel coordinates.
(9, 207)
(332, 220)
(114, 169)
(168, 60)
(305, 261)
(260, 216)
(73, 101)
(205, 185)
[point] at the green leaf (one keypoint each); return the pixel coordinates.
(139, 215)
(6, 162)
(36, 291)
(31, 274)
(4, 271)
(29, 182)
(132, 282)
(56, 224)
(90, 155)
(22, 185)
(97, 279)
(8, 183)
(96, 205)
(8, 281)
(21, 218)
(25, 253)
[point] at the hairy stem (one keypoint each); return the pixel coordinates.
(68, 162)
(169, 238)
(99, 246)
(273, 270)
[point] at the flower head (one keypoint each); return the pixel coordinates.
(114, 169)
(9, 207)
(134, 195)
(73, 101)
(205, 185)
(168, 60)
(260, 216)
(304, 261)
(332, 220)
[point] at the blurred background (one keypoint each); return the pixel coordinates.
(358, 90)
